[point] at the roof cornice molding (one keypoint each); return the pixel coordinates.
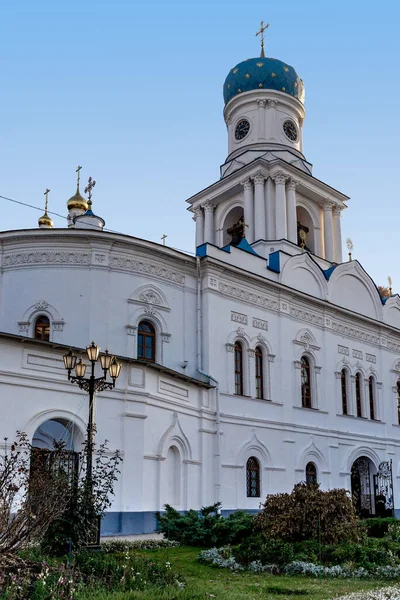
(51, 346)
(230, 183)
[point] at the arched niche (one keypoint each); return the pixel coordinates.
(305, 220)
(173, 477)
(233, 216)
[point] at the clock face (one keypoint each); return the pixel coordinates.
(290, 130)
(242, 129)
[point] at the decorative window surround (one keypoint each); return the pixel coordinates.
(42, 307)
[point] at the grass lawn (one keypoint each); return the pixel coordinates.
(203, 582)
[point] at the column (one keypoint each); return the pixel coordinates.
(248, 209)
(259, 207)
(291, 211)
(199, 220)
(337, 232)
(328, 230)
(208, 222)
(261, 118)
(269, 208)
(280, 206)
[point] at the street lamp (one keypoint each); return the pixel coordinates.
(92, 384)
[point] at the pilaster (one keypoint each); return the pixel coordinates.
(261, 118)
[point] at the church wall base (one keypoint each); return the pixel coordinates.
(137, 523)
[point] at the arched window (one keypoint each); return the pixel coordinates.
(146, 341)
(371, 390)
(238, 369)
(305, 382)
(311, 473)
(42, 328)
(253, 478)
(358, 395)
(398, 401)
(259, 374)
(343, 381)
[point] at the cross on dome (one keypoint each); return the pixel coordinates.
(261, 33)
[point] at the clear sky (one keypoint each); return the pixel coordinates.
(132, 91)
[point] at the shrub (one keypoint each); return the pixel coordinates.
(308, 513)
(110, 546)
(205, 527)
(264, 550)
(377, 528)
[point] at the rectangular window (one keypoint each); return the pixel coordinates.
(259, 374)
(238, 369)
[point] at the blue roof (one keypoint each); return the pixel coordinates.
(263, 73)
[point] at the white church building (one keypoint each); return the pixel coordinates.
(263, 360)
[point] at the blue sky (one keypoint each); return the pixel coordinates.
(133, 92)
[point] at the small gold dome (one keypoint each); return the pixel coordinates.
(45, 221)
(77, 201)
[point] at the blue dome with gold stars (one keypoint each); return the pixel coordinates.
(263, 73)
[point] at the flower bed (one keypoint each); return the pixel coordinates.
(224, 558)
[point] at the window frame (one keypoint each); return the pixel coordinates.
(372, 398)
(306, 398)
(314, 474)
(238, 368)
(359, 398)
(144, 335)
(253, 467)
(259, 373)
(44, 326)
(344, 391)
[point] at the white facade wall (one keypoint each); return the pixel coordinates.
(288, 313)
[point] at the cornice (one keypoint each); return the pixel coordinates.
(300, 306)
(231, 182)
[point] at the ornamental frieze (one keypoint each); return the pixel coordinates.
(356, 333)
(250, 297)
(305, 315)
(29, 258)
(139, 266)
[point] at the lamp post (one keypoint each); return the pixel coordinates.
(92, 384)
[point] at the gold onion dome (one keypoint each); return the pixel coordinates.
(77, 201)
(45, 221)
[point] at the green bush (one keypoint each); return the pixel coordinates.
(110, 546)
(205, 527)
(378, 527)
(267, 551)
(308, 513)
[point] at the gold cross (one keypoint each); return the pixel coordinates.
(164, 237)
(79, 174)
(261, 32)
(46, 206)
(89, 187)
